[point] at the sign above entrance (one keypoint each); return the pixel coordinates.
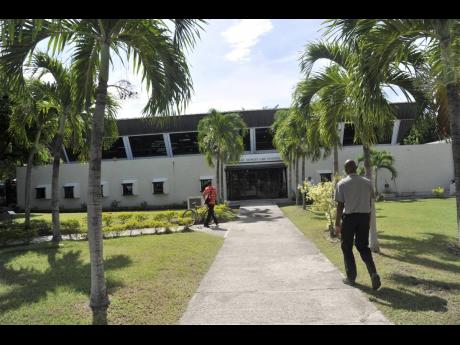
(260, 157)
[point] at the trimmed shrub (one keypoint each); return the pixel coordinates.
(438, 192)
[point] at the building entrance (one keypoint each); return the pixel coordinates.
(256, 182)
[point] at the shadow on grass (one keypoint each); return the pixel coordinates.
(426, 284)
(67, 270)
(405, 299)
(414, 251)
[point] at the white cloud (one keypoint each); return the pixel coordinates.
(244, 35)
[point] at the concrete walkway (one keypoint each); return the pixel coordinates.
(268, 272)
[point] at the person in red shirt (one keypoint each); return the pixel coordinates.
(210, 196)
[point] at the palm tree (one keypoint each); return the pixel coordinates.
(345, 87)
(398, 40)
(380, 160)
(34, 120)
(156, 51)
(220, 138)
(65, 97)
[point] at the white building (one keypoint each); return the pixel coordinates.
(160, 165)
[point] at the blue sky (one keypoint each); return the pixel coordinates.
(239, 63)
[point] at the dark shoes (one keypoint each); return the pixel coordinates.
(206, 226)
(347, 281)
(375, 278)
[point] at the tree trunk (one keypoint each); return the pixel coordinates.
(290, 175)
(375, 182)
(99, 300)
(28, 182)
(222, 182)
(303, 181)
(453, 105)
(336, 160)
(373, 240)
(218, 178)
(296, 180)
(55, 179)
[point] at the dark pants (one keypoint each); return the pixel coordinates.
(210, 214)
(355, 227)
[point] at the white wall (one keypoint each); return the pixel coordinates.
(183, 174)
(420, 168)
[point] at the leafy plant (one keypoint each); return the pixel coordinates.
(322, 195)
(438, 192)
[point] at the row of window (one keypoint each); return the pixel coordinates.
(181, 144)
(128, 187)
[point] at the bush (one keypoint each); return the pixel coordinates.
(71, 226)
(322, 195)
(379, 197)
(125, 217)
(141, 217)
(107, 219)
(438, 192)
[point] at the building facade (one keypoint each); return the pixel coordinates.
(159, 164)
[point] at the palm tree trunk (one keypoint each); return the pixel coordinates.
(303, 180)
(373, 240)
(99, 300)
(375, 183)
(336, 160)
(296, 180)
(453, 105)
(218, 178)
(28, 182)
(290, 175)
(55, 180)
(222, 181)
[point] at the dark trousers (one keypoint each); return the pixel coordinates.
(355, 227)
(210, 214)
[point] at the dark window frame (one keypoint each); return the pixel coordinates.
(137, 141)
(178, 150)
(126, 190)
(268, 143)
(116, 151)
(67, 194)
(156, 187)
(39, 191)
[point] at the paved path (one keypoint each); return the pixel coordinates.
(268, 272)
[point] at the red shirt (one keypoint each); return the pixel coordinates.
(210, 192)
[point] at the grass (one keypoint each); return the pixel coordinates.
(150, 279)
(420, 277)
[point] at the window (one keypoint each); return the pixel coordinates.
(40, 192)
(68, 192)
(264, 139)
(148, 145)
(203, 182)
(349, 135)
(184, 143)
(127, 188)
(325, 177)
(158, 187)
(71, 154)
(116, 150)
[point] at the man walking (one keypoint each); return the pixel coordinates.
(353, 195)
(210, 196)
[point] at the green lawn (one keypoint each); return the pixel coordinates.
(150, 279)
(420, 277)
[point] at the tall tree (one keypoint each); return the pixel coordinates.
(220, 138)
(397, 41)
(34, 122)
(156, 51)
(346, 87)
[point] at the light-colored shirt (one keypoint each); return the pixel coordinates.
(355, 192)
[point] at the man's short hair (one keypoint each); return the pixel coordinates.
(350, 166)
